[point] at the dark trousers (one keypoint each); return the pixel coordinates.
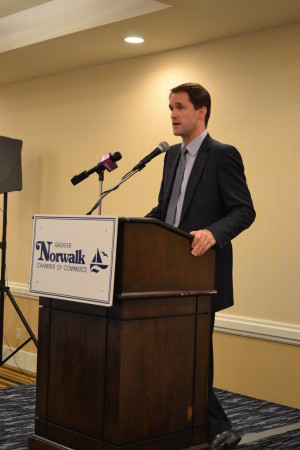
(217, 421)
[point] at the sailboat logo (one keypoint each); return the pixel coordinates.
(97, 262)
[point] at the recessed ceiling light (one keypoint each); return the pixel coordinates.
(134, 40)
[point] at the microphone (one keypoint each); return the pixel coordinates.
(161, 148)
(107, 162)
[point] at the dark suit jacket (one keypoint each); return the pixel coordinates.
(217, 198)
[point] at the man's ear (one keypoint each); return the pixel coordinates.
(202, 112)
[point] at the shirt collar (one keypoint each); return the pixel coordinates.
(193, 146)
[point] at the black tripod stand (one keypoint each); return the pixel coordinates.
(5, 291)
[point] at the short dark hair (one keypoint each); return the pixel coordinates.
(198, 95)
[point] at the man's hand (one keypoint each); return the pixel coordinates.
(203, 240)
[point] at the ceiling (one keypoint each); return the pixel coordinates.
(39, 38)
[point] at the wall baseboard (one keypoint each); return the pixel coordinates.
(226, 323)
(23, 360)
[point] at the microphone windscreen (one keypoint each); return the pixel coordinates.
(116, 156)
(163, 146)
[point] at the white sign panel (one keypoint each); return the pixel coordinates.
(73, 258)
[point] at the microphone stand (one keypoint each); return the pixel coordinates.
(100, 172)
(107, 162)
(105, 193)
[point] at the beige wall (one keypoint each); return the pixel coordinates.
(30, 311)
(258, 368)
(68, 121)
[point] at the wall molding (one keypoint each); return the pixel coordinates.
(258, 328)
(281, 332)
(21, 290)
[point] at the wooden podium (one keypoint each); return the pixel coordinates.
(133, 376)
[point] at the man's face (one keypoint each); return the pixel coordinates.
(187, 121)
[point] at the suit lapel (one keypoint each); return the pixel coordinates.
(196, 174)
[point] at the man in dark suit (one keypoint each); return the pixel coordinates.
(204, 192)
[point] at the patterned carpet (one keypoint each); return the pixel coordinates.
(255, 419)
(17, 407)
(251, 418)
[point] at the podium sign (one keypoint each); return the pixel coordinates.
(73, 258)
